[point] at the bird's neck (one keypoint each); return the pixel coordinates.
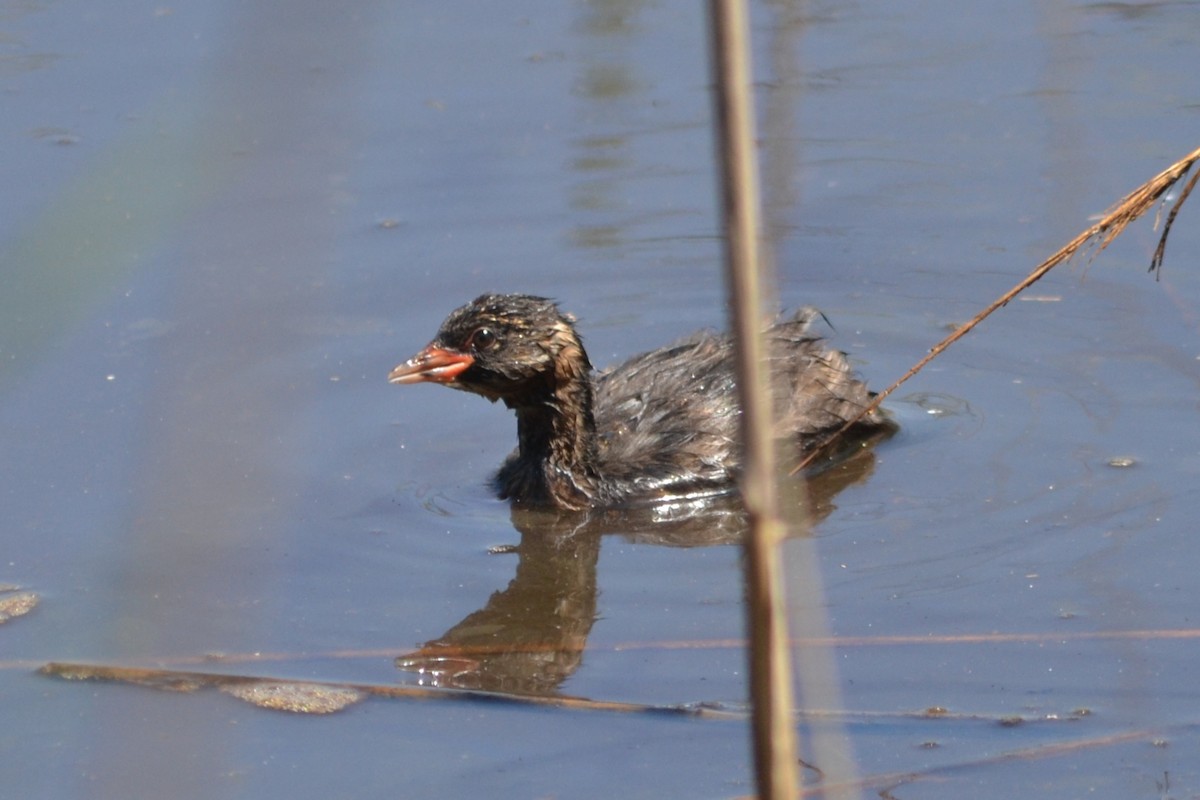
(561, 432)
(556, 433)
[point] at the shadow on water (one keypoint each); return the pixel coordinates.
(531, 636)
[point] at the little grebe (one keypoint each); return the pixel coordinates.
(662, 424)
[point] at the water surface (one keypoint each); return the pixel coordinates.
(222, 224)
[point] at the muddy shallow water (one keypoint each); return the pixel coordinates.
(222, 224)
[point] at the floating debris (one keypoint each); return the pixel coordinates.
(165, 680)
(937, 404)
(16, 604)
(298, 698)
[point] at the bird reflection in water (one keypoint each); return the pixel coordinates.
(531, 636)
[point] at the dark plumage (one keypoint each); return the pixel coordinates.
(664, 423)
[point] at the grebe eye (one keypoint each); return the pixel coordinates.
(482, 339)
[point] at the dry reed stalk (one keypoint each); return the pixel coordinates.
(775, 757)
(1110, 226)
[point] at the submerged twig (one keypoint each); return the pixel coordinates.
(1110, 226)
(927, 640)
(324, 697)
(885, 782)
(303, 696)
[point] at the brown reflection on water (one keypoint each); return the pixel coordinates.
(17, 58)
(531, 636)
(606, 80)
(781, 99)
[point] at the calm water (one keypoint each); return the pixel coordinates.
(221, 224)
